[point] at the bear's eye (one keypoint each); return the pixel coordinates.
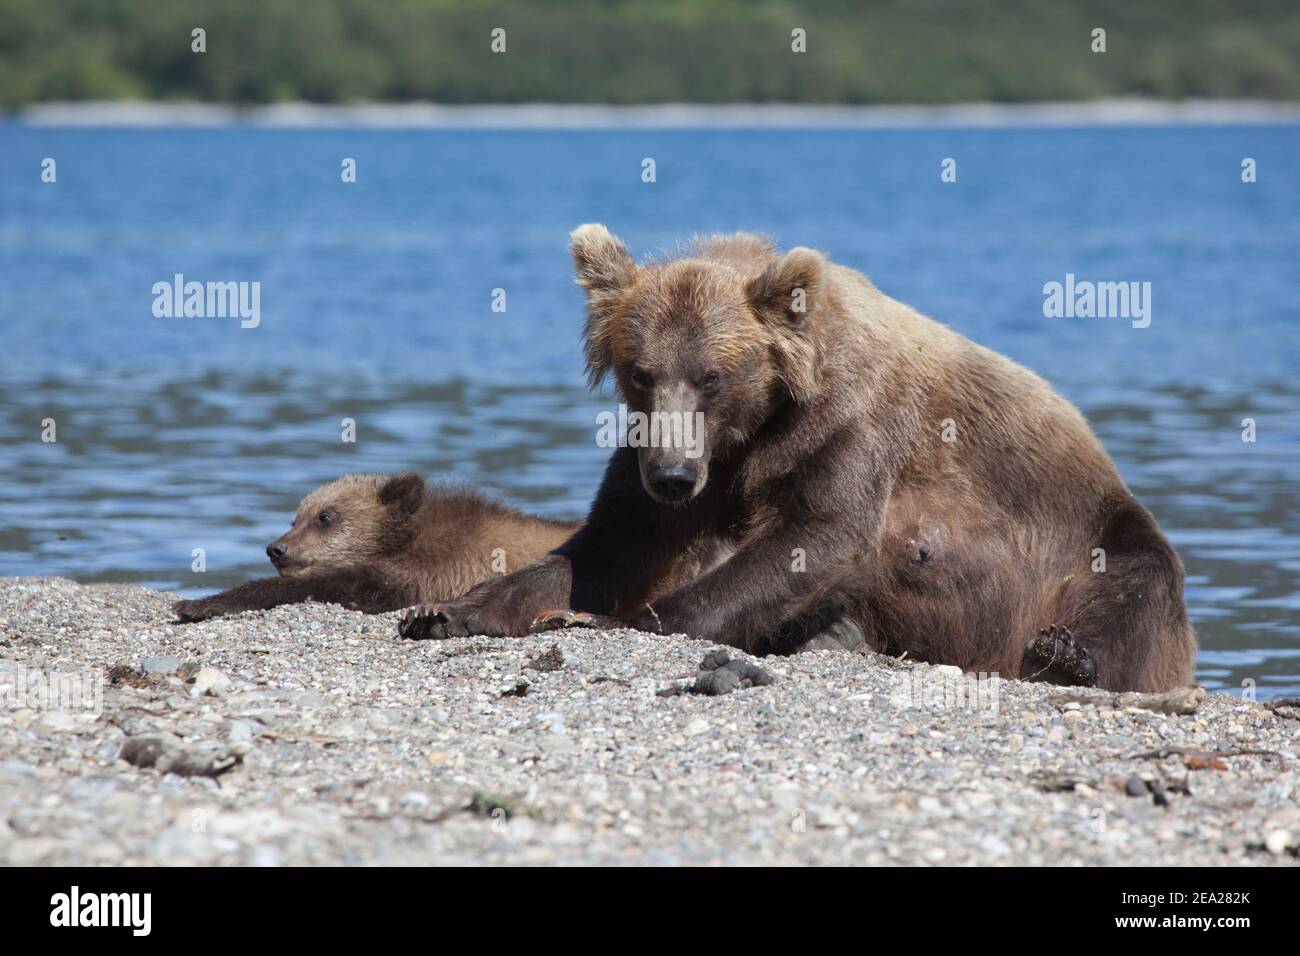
(710, 382)
(642, 379)
(324, 519)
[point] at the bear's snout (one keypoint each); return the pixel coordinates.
(672, 483)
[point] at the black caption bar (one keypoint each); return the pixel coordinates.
(335, 905)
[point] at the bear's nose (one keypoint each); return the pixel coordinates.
(275, 550)
(673, 482)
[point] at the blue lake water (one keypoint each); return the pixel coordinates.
(376, 306)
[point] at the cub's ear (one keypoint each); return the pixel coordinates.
(604, 269)
(790, 289)
(402, 493)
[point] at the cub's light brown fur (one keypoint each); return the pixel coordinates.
(389, 542)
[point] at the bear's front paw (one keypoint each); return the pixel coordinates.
(190, 611)
(437, 622)
(424, 622)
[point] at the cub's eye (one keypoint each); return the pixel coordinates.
(324, 519)
(710, 382)
(642, 379)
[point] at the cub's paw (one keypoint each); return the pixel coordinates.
(201, 610)
(1054, 656)
(558, 620)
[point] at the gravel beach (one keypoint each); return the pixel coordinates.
(312, 735)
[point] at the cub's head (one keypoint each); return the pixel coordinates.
(339, 524)
(720, 339)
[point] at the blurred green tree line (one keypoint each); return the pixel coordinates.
(647, 51)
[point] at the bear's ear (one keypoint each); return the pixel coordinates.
(402, 493)
(783, 296)
(600, 259)
(604, 269)
(789, 289)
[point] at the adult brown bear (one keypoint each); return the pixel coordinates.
(869, 467)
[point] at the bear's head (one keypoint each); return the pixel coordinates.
(347, 521)
(720, 339)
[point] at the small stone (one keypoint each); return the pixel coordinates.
(696, 727)
(188, 670)
(209, 680)
(719, 674)
(1279, 841)
(31, 850)
(994, 846)
(57, 722)
(414, 800)
(161, 665)
(552, 721)
(1179, 701)
(1135, 786)
(237, 731)
(144, 751)
(266, 856)
(167, 756)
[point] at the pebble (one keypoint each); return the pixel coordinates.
(1278, 842)
(208, 680)
(414, 800)
(161, 665)
(58, 722)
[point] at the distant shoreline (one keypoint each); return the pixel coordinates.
(663, 116)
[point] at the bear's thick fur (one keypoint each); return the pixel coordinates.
(378, 543)
(868, 466)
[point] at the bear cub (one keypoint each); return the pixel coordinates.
(377, 543)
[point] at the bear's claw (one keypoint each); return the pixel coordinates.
(1054, 655)
(423, 622)
(561, 619)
